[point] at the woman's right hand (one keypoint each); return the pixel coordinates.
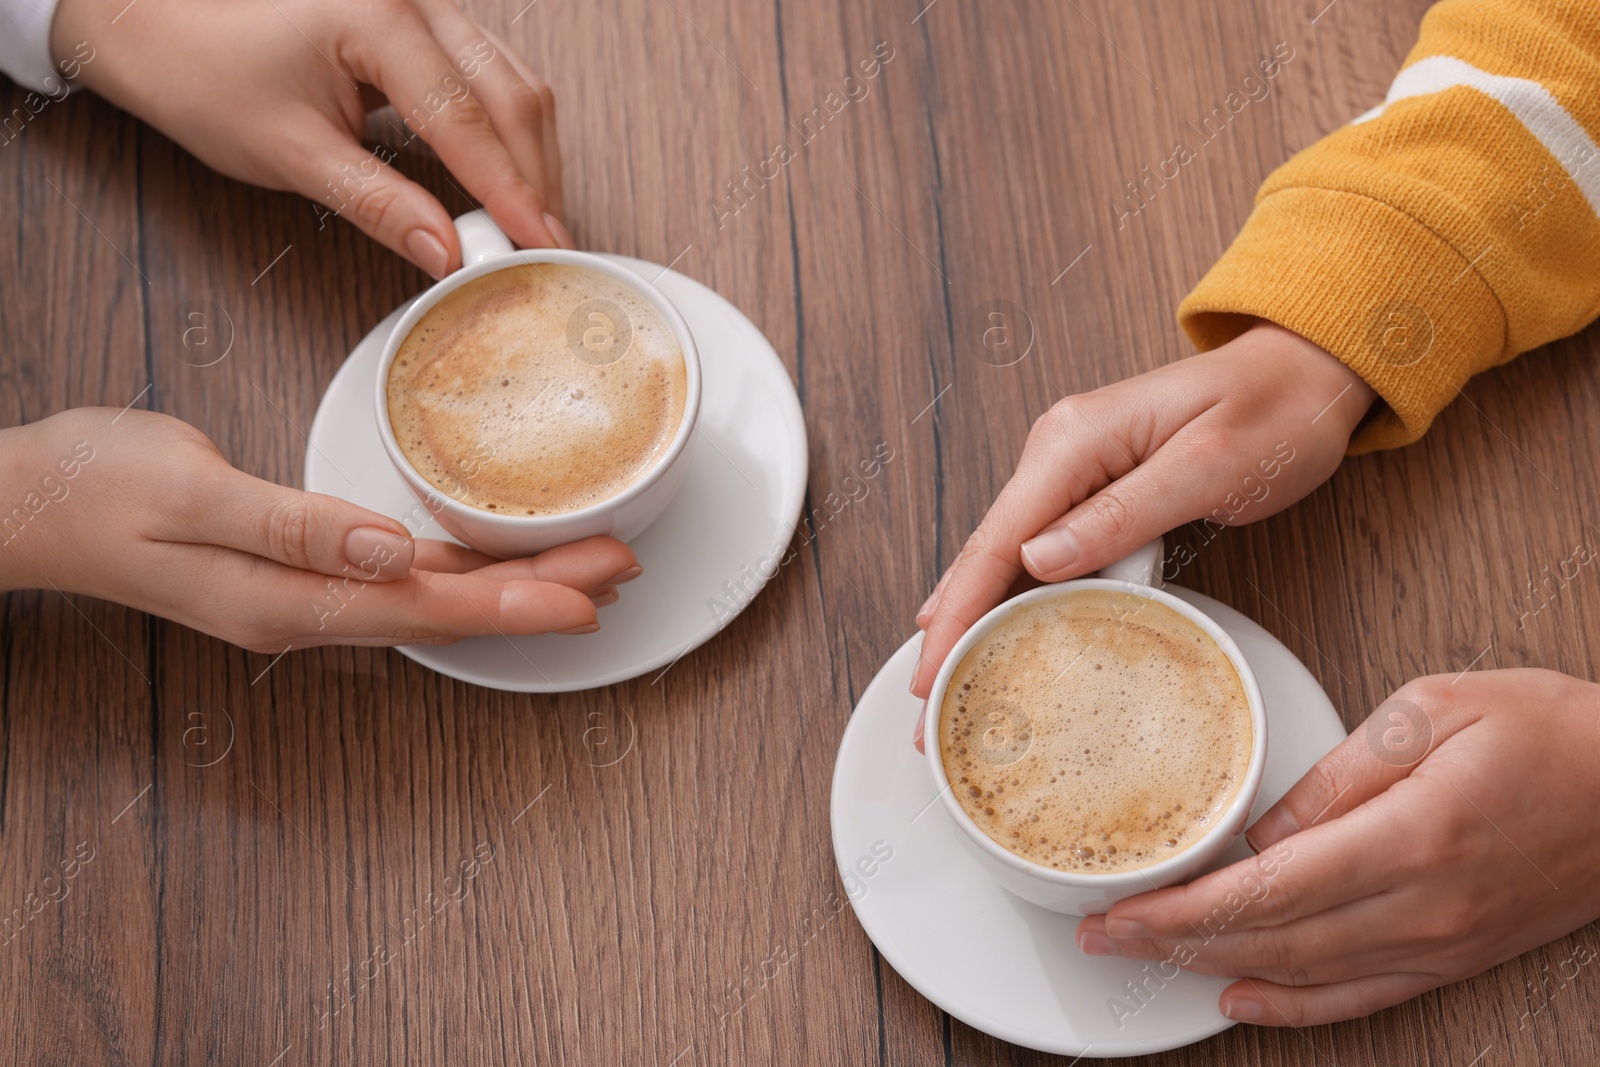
(1233, 435)
(142, 509)
(277, 92)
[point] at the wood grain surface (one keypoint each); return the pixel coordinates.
(340, 857)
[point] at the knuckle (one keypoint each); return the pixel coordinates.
(1279, 960)
(983, 547)
(183, 432)
(467, 113)
(525, 102)
(1449, 921)
(288, 532)
(1293, 975)
(1224, 440)
(1058, 418)
(1450, 837)
(1434, 844)
(373, 205)
(191, 500)
(1325, 780)
(1430, 691)
(1274, 957)
(1115, 515)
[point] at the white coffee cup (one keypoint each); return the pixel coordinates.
(1082, 893)
(623, 516)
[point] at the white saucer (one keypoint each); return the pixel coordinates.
(702, 558)
(991, 960)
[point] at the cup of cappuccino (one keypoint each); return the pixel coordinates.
(1096, 738)
(538, 397)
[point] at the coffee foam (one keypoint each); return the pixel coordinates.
(1095, 731)
(497, 403)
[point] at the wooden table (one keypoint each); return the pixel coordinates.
(258, 830)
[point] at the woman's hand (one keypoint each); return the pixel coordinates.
(276, 92)
(1235, 434)
(1454, 830)
(141, 509)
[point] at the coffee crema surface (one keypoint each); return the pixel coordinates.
(1095, 732)
(537, 389)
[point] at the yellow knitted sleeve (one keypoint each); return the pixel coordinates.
(1445, 231)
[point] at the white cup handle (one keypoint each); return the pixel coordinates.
(1141, 567)
(481, 239)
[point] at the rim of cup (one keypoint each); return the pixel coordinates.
(1224, 822)
(445, 286)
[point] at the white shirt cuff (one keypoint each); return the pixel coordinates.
(25, 44)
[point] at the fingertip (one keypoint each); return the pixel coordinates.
(1125, 928)
(522, 218)
(532, 606)
(935, 647)
(1094, 943)
(1048, 555)
(367, 191)
(562, 235)
(428, 253)
(1242, 1008)
(609, 561)
(576, 630)
(379, 554)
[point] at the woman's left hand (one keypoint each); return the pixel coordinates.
(1454, 830)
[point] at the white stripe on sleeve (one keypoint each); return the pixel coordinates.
(1531, 103)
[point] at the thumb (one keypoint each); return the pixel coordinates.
(1382, 751)
(306, 531)
(1153, 498)
(332, 168)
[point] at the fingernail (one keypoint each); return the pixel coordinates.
(922, 721)
(378, 553)
(1244, 1009)
(602, 597)
(1091, 943)
(1126, 928)
(427, 252)
(624, 576)
(1271, 828)
(559, 232)
(591, 628)
(1051, 551)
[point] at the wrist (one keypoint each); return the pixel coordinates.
(19, 461)
(1348, 396)
(39, 463)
